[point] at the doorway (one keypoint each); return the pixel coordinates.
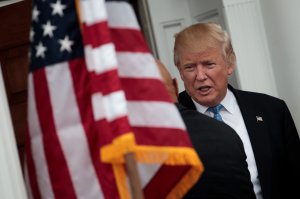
(160, 20)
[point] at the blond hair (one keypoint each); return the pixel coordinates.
(202, 36)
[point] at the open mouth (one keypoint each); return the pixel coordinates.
(204, 90)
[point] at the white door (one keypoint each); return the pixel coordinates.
(168, 17)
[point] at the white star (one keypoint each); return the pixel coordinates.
(35, 14)
(31, 34)
(48, 29)
(66, 44)
(40, 50)
(58, 8)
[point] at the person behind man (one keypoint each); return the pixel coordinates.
(205, 59)
(220, 149)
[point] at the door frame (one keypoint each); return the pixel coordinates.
(11, 179)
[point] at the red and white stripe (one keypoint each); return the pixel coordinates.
(54, 146)
(100, 56)
(149, 106)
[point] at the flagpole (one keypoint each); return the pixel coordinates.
(134, 178)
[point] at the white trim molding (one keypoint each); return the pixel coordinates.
(245, 25)
(8, 2)
(234, 2)
(11, 178)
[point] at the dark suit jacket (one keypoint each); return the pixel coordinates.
(221, 151)
(274, 140)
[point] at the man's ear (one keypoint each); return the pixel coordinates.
(230, 70)
(181, 76)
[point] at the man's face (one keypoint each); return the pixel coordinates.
(205, 75)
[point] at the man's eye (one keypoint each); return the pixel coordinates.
(189, 66)
(210, 64)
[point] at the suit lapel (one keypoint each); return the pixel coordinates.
(256, 124)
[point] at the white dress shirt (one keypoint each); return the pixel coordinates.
(232, 116)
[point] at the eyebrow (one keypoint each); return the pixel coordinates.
(207, 61)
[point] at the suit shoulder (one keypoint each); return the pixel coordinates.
(252, 97)
(183, 95)
(186, 100)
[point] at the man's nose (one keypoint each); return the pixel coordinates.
(201, 75)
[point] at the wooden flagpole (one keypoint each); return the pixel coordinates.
(134, 178)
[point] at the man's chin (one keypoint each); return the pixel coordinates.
(205, 100)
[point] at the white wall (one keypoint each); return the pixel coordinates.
(281, 20)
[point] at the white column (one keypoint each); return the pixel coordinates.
(11, 179)
(244, 23)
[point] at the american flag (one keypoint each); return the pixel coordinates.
(94, 94)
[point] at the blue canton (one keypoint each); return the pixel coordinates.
(55, 35)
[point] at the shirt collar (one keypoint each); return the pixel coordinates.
(227, 102)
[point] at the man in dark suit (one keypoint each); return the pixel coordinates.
(205, 59)
(221, 151)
